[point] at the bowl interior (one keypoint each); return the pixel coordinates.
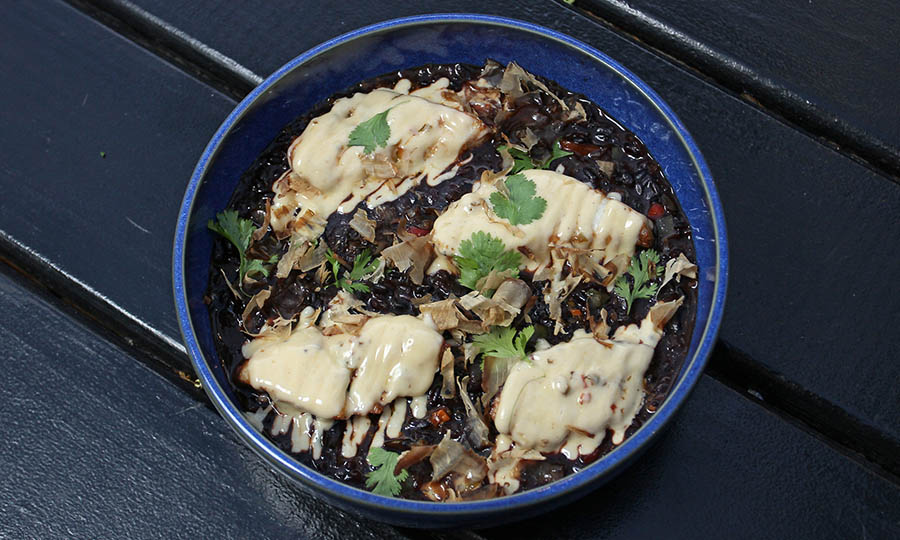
(393, 46)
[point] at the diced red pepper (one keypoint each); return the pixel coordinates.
(656, 211)
(439, 416)
(579, 148)
(417, 230)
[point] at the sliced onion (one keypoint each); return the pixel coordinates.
(452, 457)
(448, 389)
(496, 370)
(476, 429)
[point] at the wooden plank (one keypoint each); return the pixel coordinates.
(135, 283)
(743, 474)
(804, 221)
(96, 445)
(98, 141)
(829, 66)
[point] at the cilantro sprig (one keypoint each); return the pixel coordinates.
(383, 478)
(481, 254)
(556, 152)
(362, 265)
(504, 343)
(641, 273)
(371, 134)
(522, 161)
(239, 231)
(521, 207)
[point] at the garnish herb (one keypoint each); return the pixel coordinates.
(481, 254)
(383, 478)
(238, 231)
(371, 134)
(504, 343)
(640, 270)
(522, 160)
(362, 265)
(521, 207)
(557, 152)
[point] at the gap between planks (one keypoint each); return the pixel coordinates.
(739, 80)
(34, 275)
(819, 417)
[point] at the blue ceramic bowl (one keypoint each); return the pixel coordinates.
(410, 42)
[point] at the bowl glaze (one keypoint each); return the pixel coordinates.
(405, 43)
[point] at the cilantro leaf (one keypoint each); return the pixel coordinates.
(504, 343)
(253, 266)
(643, 269)
(481, 254)
(383, 478)
(239, 231)
(236, 230)
(557, 152)
(362, 265)
(521, 160)
(371, 134)
(521, 207)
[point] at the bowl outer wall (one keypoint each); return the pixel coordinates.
(403, 43)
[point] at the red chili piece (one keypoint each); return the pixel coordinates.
(439, 416)
(656, 211)
(417, 231)
(579, 148)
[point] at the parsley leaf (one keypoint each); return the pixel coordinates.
(504, 343)
(481, 254)
(383, 478)
(640, 270)
(521, 207)
(238, 231)
(362, 265)
(371, 134)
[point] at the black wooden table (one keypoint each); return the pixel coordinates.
(107, 104)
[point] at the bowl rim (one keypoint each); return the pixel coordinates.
(606, 466)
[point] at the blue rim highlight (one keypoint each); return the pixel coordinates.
(609, 464)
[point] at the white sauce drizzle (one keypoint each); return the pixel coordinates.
(576, 216)
(419, 406)
(320, 426)
(427, 134)
(378, 437)
(300, 435)
(504, 463)
(383, 420)
(281, 423)
(397, 418)
(307, 370)
(441, 262)
(354, 432)
(398, 356)
(393, 356)
(566, 397)
(256, 418)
